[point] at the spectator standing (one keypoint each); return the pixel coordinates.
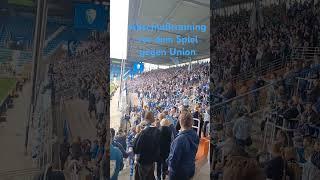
(165, 142)
(181, 160)
(242, 129)
(276, 166)
(311, 169)
(147, 146)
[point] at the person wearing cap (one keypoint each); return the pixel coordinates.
(181, 160)
(242, 128)
(147, 147)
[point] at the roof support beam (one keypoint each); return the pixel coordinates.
(197, 3)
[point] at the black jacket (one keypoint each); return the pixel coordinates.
(147, 146)
(165, 141)
(274, 169)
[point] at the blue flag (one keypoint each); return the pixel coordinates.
(90, 16)
(138, 68)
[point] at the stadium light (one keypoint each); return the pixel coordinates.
(119, 12)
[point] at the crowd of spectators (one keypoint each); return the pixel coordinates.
(243, 146)
(84, 76)
(235, 49)
(161, 125)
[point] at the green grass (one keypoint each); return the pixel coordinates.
(21, 2)
(6, 85)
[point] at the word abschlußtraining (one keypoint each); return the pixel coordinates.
(167, 27)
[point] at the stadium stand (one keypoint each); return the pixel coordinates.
(82, 79)
(165, 93)
(55, 115)
(265, 116)
(162, 101)
(15, 27)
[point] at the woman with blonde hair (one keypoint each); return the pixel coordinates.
(165, 142)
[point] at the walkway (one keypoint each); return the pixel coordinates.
(202, 171)
(12, 134)
(79, 120)
(115, 114)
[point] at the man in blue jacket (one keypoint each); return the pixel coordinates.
(181, 160)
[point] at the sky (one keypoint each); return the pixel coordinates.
(119, 12)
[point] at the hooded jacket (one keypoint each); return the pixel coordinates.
(181, 160)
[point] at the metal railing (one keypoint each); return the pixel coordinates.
(297, 54)
(305, 53)
(254, 101)
(258, 100)
(261, 70)
(42, 126)
(196, 127)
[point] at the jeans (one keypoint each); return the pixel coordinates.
(179, 176)
(162, 168)
(144, 172)
(131, 162)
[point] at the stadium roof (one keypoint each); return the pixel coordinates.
(149, 12)
(63, 8)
